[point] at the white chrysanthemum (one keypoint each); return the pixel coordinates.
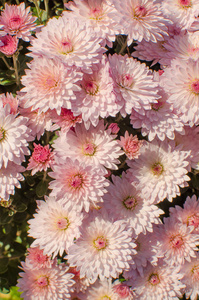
(100, 290)
(190, 141)
(14, 137)
(79, 184)
(69, 39)
(141, 19)
(104, 248)
(160, 282)
(55, 226)
(95, 147)
(190, 270)
(133, 83)
(98, 15)
(181, 81)
(45, 283)
(161, 120)
(126, 202)
(183, 46)
(96, 97)
(150, 51)
(181, 12)
(189, 214)
(55, 82)
(160, 170)
(9, 179)
(176, 242)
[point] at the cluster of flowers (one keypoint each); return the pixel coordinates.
(107, 225)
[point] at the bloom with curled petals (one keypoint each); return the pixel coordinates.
(141, 19)
(160, 170)
(96, 97)
(133, 83)
(54, 226)
(68, 39)
(103, 248)
(12, 101)
(45, 283)
(41, 159)
(181, 82)
(158, 282)
(18, 20)
(9, 179)
(37, 260)
(78, 183)
(130, 144)
(14, 137)
(66, 119)
(10, 44)
(95, 146)
(81, 284)
(124, 201)
(55, 83)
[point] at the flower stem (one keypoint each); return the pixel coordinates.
(16, 69)
(46, 8)
(6, 63)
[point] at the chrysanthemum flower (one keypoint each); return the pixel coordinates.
(66, 119)
(102, 289)
(189, 214)
(41, 159)
(45, 283)
(18, 20)
(81, 284)
(181, 12)
(12, 101)
(114, 128)
(14, 137)
(72, 41)
(122, 291)
(130, 144)
(10, 44)
(125, 201)
(80, 184)
(181, 81)
(190, 270)
(95, 147)
(103, 248)
(159, 282)
(141, 19)
(133, 83)
(96, 97)
(176, 242)
(37, 260)
(160, 170)
(55, 226)
(55, 81)
(160, 121)
(9, 179)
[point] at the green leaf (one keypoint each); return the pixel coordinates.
(4, 81)
(3, 264)
(41, 188)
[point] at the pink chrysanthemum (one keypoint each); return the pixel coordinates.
(66, 119)
(12, 101)
(141, 19)
(181, 81)
(131, 145)
(56, 84)
(133, 83)
(9, 179)
(81, 284)
(37, 260)
(160, 170)
(114, 128)
(68, 39)
(160, 121)
(181, 12)
(98, 14)
(96, 98)
(41, 159)
(18, 20)
(159, 283)
(55, 226)
(10, 44)
(80, 184)
(95, 147)
(45, 283)
(176, 242)
(125, 201)
(14, 137)
(189, 214)
(103, 248)
(122, 291)
(190, 270)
